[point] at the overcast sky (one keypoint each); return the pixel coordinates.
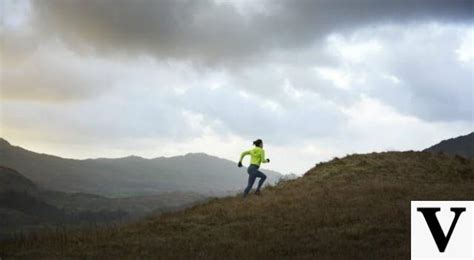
(313, 79)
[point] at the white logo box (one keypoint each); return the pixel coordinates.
(461, 242)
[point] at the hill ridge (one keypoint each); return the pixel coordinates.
(462, 145)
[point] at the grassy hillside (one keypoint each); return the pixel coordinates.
(128, 176)
(357, 207)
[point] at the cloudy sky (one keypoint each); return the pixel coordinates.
(313, 79)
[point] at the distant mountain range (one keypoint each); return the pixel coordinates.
(39, 191)
(129, 176)
(462, 145)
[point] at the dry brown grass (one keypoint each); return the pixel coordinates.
(357, 207)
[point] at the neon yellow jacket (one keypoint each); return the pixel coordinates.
(257, 156)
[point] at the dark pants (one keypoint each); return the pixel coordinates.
(253, 174)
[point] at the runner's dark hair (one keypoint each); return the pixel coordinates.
(257, 142)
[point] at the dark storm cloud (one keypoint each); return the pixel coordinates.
(217, 32)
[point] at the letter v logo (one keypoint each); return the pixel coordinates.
(440, 238)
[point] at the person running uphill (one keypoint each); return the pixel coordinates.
(257, 155)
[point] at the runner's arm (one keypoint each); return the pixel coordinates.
(243, 155)
(263, 157)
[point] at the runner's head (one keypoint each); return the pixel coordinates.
(258, 143)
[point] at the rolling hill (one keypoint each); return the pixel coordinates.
(24, 207)
(357, 207)
(11, 180)
(462, 145)
(129, 176)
